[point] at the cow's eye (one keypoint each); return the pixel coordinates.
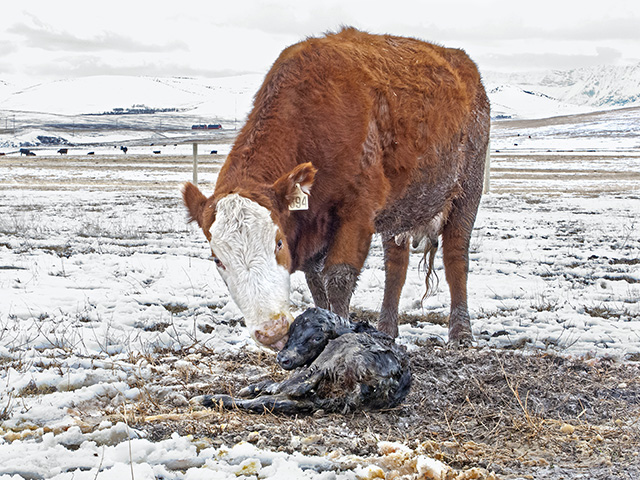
(218, 263)
(279, 245)
(318, 339)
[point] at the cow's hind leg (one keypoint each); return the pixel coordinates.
(455, 252)
(456, 238)
(396, 261)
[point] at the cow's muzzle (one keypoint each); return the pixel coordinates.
(274, 333)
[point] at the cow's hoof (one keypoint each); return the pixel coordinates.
(390, 327)
(460, 337)
(464, 342)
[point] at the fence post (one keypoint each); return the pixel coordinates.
(195, 163)
(487, 170)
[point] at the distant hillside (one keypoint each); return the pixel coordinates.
(519, 96)
(537, 94)
(223, 97)
(5, 90)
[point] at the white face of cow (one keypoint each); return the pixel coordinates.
(244, 244)
(251, 253)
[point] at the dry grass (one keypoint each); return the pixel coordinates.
(503, 411)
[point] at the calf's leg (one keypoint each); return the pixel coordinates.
(299, 383)
(265, 403)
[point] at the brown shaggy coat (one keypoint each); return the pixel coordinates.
(390, 133)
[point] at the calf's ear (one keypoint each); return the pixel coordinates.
(285, 186)
(195, 201)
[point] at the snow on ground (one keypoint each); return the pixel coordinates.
(513, 102)
(613, 131)
(99, 273)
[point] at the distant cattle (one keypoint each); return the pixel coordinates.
(214, 152)
(157, 152)
(91, 153)
(350, 134)
(346, 366)
(27, 152)
(63, 151)
(124, 149)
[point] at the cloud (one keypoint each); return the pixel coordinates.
(6, 47)
(89, 65)
(542, 61)
(210, 39)
(605, 29)
(46, 38)
(287, 20)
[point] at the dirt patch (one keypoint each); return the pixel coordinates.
(517, 414)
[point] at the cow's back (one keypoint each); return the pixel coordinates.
(386, 120)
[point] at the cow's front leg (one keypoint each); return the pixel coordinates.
(345, 259)
(315, 280)
(396, 261)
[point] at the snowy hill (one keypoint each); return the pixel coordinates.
(559, 92)
(605, 86)
(5, 89)
(511, 101)
(227, 97)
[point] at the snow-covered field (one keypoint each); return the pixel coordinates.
(100, 276)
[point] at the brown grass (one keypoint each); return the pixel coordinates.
(501, 411)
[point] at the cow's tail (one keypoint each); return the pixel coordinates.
(426, 264)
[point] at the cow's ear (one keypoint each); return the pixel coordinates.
(195, 201)
(285, 186)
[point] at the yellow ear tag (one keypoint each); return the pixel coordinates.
(300, 200)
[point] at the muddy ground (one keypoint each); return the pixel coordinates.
(515, 414)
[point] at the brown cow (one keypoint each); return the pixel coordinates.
(385, 134)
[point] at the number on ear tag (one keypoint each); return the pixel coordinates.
(300, 200)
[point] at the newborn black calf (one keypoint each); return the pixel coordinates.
(346, 366)
(310, 333)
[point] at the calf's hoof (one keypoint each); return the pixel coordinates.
(255, 389)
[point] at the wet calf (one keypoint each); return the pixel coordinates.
(345, 366)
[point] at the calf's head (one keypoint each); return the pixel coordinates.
(309, 334)
(246, 229)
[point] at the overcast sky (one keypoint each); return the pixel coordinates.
(49, 40)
